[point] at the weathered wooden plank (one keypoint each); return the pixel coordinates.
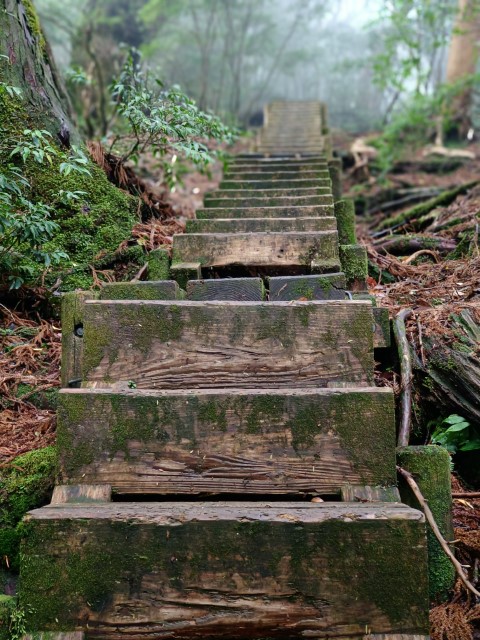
(239, 174)
(272, 192)
(73, 305)
(291, 211)
(63, 494)
(234, 289)
(258, 249)
(259, 170)
(255, 225)
(330, 286)
(148, 290)
(362, 493)
(189, 344)
(382, 336)
(233, 570)
(395, 636)
(267, 183)
(228, 442)
(268, 201)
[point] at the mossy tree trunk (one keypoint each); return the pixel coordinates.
(98, 222)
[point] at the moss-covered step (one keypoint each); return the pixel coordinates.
(354, 261)
(268, 183)
(226, 569)
(266, 193)
(148, 290)
(269, 250)
(188, 344)
(228, 442)
(345, 215)
(269, 201)
(291, 149)
(54, 635)
(240, 174)
(253, 225)
(330, 286)
(234, 289)
(290, 211)
(319, 169)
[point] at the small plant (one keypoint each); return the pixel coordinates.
(456, 434)
(18, 623)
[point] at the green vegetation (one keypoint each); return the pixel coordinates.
(25, 484)
(456, 434)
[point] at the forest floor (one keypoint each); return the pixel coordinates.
(418, 259)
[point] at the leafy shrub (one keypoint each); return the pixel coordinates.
(456, 434)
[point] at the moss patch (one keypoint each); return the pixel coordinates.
(430, 465)
(25, 484)
(353, 259)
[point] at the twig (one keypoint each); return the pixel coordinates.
(420, 341)
(422, 252)
(140, 273)
(472, 494)
(431, 521)
(403, 348)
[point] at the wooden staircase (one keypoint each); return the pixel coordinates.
(227, 464)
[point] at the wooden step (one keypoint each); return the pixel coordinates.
(262, 160)
(269, 201)
(225, 569)
(291, 211)
(253, 225)
(232, 289)
(188, 345)
(236, 174)
(267, 192)
(330, 286)
(148, 290)
(324, 184)
(262, 441)
(275, 249)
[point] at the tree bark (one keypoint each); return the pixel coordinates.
(462, 61)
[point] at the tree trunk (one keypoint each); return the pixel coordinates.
(102, 216)
(462, 62)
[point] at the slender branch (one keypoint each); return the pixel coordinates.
(431, 521)
(472, 494)
(403, 348)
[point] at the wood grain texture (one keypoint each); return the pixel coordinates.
(148, 290)
(226, 344)
(240, 174)
(255, 225)
(63, 494)
(359, 493)
(258, 249)
(233, 289)
(213, 442)
(232, 570)
(52, 635)
(72, 309)
(330, 286)
(277, 184)
(291, 211)
(269, 201)
(266, 193)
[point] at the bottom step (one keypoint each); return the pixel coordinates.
(225, 569)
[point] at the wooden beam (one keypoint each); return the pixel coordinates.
(288, 211)
(246, 344)
(226, 569)
(231, 442)
(262, 225)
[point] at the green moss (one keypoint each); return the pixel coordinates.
(34, 25)
(7, 606)
(159, 264)
(213, 414)
(25, 484)
(353, 259)
(430, 465)
(345, 214)
(265, 412)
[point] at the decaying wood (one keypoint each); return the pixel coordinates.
(431, 521)
(271, 201)
(329, 286)
(63, 494)
(290, 210)
(225, 344)
(255, 225)
(258, 249)
(407, 243)
(361, 493)
(237, 570)
(73, 305)
(234, 289)
(210, 442)
(53, 635)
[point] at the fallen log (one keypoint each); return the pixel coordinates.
(408, 243)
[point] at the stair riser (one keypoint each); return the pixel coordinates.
(187, 345)
(266, 212)
(267, 193)
(325, 185)
(260, 249)
(320, 176)
(249, 202)
(231, 570)
(211, 443)
(254, 225)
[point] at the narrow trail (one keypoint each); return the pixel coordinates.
(227, 464)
